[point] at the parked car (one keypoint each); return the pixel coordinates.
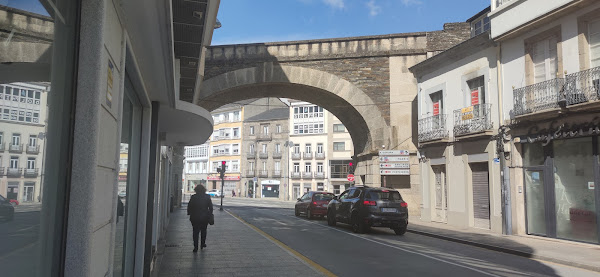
(364, 207)
(14, 202)
(7, 211)
(313, 203)
(214, 193)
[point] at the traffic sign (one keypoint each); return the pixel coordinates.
(394, 165)
(351, 177)
(394, 159)
(394, 153)
(394, 172)
(255, 179)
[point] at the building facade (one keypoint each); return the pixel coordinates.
(196, 167)
(22, 132)
(338, 155)
(225, 144)
(265, 159)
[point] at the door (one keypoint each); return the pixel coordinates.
(481, 195)
(535, 202)
(296, 191)
(441, 193)
(338, 205)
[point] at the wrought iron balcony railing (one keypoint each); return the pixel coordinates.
(15, 148)
(308, 155)
(473, 119)
(306, 175)
(250, 173)
(320, 156)
(295, 175)
(296, 156)
(251, 155)
(31, 172)
(35, 149)
(319, 175)
(263, 136)
(538, 97)
(276, 173)
(263, 155)
(583, 86)
(277, 155)
(263, 173)
(14, 172)
(432, 128)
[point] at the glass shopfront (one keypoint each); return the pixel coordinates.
(560, 180)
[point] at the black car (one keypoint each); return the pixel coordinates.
(364, 207)
(7, 211)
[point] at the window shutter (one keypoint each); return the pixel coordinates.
(538, 57)
(594, 30)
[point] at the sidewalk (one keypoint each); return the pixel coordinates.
(569, 253)
(233, 249)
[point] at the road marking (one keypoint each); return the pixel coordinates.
(316, 267)
(402, 249)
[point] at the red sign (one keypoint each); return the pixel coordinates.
(227, 178)
(436, 108)
(351, 177)
(475, 97)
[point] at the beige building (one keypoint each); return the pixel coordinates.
(22, 133)
(340, 154)
(224, 146)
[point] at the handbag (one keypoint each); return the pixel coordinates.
(211, 219)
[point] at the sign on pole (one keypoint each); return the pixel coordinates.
(394, 172)
(350, 177)
(395, 165)
(394, 153)
(394, 162)
(394, 159)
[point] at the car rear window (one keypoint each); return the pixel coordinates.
(322, 197)
(385, 195)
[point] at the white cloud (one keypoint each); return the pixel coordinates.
(373, 8)
(337, 4)
(411, 2)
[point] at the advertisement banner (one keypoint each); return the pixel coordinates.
(466, 113)
(475, 97)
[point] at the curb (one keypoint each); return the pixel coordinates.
(507, 250)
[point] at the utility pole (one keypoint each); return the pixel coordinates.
(222, 172)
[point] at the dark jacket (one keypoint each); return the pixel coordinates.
(199, 208)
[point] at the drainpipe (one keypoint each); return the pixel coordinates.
(504, 170)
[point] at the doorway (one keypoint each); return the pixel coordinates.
(481, 195)
(441, 193)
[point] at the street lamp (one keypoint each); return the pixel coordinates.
(287, 144)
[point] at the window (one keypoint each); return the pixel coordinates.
(336, 189)
(215, 165)
(339, 168)
(278, 128)
(476, 91)
(1, 137)
(236, 116)
(251, 148)
(480, 25)
(594, 40)
(339, 146)
(277, 165)
(320, 167)
(236, 132)
(307, 167)
(265, 129)
(264, 165)
(297, 148)
(251, 130)
(235, 166)
(321, 187)
(544, 58)
(296, 167)
(251, 166)
(215, 150)
(339, 128)
(264, 148)
(30, 163)
(278, 148)
(437, 104)
(235, 149)
(308, 148)
(14, 162)
(319, 148)
(16, 139)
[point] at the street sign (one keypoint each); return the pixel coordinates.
(394, 165)
(394, 159)
(394, 153)
(394, 172)
(350, 177)
(255, 179)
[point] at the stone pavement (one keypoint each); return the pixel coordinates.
(581, 255)
(233, 249)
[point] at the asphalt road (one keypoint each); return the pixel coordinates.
(381, 252)
(18, 242)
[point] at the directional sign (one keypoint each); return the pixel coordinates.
(351, 177)
(394, 172)
(394, 159)
(395, 165)
(394, 153)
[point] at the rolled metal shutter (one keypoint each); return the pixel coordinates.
(481, 191)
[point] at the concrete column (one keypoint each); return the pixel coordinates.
(177, 171)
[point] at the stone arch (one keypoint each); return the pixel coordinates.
(351, 105)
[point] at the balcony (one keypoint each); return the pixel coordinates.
(33, 149)
(263, 173)
(295, 175)
(276, 173)
(250, 173)
(296, 156)
(543, 96)
(472, 120)
(263, 136)
(2, 171)
(14, 172)
(583, 87)
(2, 146)
(319, 175)
(277, 155)
(306, 175)
(433, 128)
(308, 155)
(15, 148)
(320, 156)
(31, 172)
(263, 155)
(251, 155)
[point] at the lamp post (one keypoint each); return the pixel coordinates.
(287, 144)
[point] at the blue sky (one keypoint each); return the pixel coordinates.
(27, 5)
(246, 21)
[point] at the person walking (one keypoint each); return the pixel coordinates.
(200, 210)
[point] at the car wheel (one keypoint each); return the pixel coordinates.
(400, 231)
(331, 218)
(358, 226)
(296, 212)
(309, 214)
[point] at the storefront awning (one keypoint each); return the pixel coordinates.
(186, 124)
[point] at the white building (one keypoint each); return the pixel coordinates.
(340, 152)
(196, 167)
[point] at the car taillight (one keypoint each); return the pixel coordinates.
(314, 203)
(403, 204)
(370, 203)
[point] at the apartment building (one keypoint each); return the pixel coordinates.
(266, 137)
(22, 133)
(338, 155)
(224, 145)
(195, 167)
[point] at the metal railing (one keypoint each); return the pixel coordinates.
(583, 86)
(31, 172)
(263, 136)
(538, 97)
(295, 175)
(276, 173)
(320, 156)
(249, 173)
(14, 172)
(472, 119)
(277, 155)
(263, 155)
(16, 148)
(432, 128)
(319, 175)
(251, 155)
(263, 173)
(306, 175)
(308, 155)
(296, 156)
